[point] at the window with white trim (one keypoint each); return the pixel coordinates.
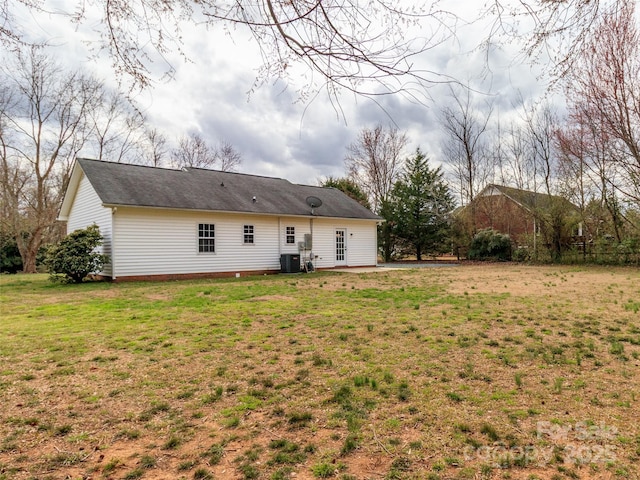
(248, 235)
(206, 238)
(290, 235)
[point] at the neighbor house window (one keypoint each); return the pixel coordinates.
(206, 238)
(291, 235)
(248, 234)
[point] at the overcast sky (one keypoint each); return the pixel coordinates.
(277, 134)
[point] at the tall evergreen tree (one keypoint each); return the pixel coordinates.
(420, 206)
(349, 187)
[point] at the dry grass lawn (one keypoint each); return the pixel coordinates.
(470, 372)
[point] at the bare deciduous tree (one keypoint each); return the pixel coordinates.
(193, 151)
(540, 128)
(606, 87)
(553, 33)
(155, 147)
(374, 162)
(118, 129)
(228, 157)
(43, 129)
(519, 158)
(590, 173)
(465, 129)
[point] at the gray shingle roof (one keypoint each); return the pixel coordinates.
(533, 200)
(211, 190)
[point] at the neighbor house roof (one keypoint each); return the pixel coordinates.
(530, 200)
(120, 184)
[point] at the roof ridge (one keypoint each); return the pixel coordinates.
(127, 164)
(182, 169)
(236, 173)
(522, 190)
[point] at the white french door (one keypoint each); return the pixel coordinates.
(341, 247)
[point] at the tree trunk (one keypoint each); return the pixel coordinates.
(29, 259)
(29, 251)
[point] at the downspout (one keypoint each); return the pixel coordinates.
(279, 236)
(113, 243)
(312, 242)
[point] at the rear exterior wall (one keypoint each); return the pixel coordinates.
(155, 242)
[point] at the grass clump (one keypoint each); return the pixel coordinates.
(490, 432)
(454, 396)
(323, 470)
(153, 410)
(351, 442)
(110, 466)
(299, 419)
(283, 473)
(403, 391)
(187, 465)
(214, 454)
(147, 461)
(287, 452)
(202, 474)
(134, 474)
(172, 443)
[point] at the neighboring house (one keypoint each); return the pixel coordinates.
(515, 212)
(164, 223)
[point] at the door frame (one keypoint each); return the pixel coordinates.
(336, 248)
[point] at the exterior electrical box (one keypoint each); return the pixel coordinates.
(308, 242)
(290, 263)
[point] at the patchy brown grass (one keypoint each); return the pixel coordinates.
(484, 371)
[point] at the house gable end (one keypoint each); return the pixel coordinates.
(70, 193)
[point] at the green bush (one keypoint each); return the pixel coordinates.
(10, 260)
(489, 244)
(74, 257)
(521, 254)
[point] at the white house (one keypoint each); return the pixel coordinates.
(165, 223)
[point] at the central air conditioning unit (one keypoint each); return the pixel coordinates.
(289, 263)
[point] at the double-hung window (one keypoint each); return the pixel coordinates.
(290, 235)
(206, 238)
(248, 235)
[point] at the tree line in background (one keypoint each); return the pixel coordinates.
(584, 168)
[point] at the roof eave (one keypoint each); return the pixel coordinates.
(70, 192)
(238, 212)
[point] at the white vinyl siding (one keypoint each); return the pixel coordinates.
(156, 242)
(86, 210)
(360, 242)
